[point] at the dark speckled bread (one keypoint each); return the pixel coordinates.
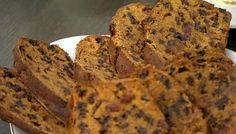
(128, 34)
(47, 71)
(17, 106)
(95, 59)
(210, 85)
(177, 25)
(182, 116)
(121, 107)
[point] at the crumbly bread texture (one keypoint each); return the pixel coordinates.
(181, 115)
(95, 59)
(128, 34)
(122, 107)
(17, 106)
(210, 85)
(48, 71)
(178, 25)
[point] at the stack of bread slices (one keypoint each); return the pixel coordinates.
(163, 70)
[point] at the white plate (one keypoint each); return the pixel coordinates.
(231, 9)
(69, 45)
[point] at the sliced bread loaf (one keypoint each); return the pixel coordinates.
(121, 107)
(95, 59)
(17, 106)
(177, 25)
(47, 71)
(128, 34)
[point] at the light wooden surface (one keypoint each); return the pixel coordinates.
(50, 20)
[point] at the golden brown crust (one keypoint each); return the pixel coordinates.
(17, 106)
(43, 69)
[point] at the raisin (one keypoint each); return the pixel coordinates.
(42, 52)
(91, 98)
(202, 12)
(185, 2)
(22, 48)
(202, 89)
(45, 118)
(212, 121)
(8, 74)
(36, 124)
(132, 18)
(33, 42)
(112, 29)
(112, 107)
(222, 10)
(141, 130)
(168, 5)
(143, 74)
(57, 58)
(147, 10)
(182, 69)
(156, 131)
(149, 119)
(14, 109)
(126, 98)
(29, 57)
(226, 19)
(148, 20)
(221, 103)
(46, 59)
(120, 86)
(32, 116)
(165, 81)
(123, 126)
(52, 47)
(103, 120)
(66, 91)
(145, 98)
(81, 92)
(14, 87)
(100, 41)
(215, 24)
(205, 112)
(212, 76)
(19, 104)
(82, 109)
(153, 31)
(190, 81)
(29, 98)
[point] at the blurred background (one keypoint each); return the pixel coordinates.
(50, 20)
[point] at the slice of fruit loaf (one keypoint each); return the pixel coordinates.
(219, 102)
(47, 71)
(17, 106)
(210, 85)
(95, 58)
(182, 116)
(121, 107)
(177, 25)
(128, 34)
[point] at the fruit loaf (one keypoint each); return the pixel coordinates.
(17, 106)
(128, 35)
(210, 86)
(48, 71)
(119, 107)
(182, 116)
(178, 25)
(95, 58)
